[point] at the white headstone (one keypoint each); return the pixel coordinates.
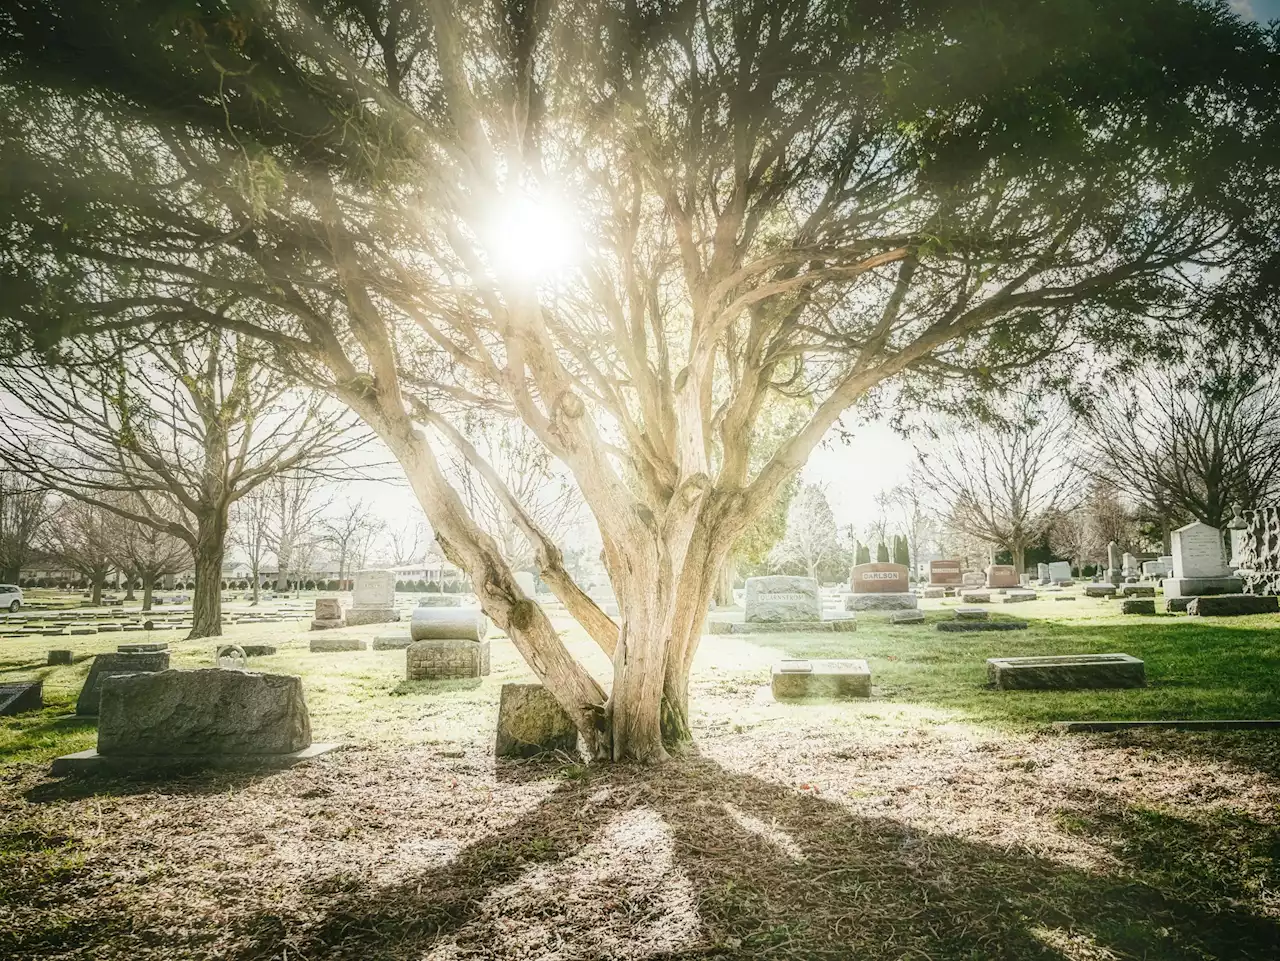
(375, 589)
(1197, 552)
(1059, 571)
(783, 598)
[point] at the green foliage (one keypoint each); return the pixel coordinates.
(862, 553)
(882, 553)
(901, 550)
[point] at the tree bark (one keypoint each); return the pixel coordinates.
(724, 584)
(97, 581)
(128, 586)
(206, 606)
(148, 588)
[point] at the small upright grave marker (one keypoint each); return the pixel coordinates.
(375, 598)
(794, 678)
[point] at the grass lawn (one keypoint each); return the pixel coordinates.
(937, 820)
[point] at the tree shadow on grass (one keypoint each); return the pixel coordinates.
(692, 860)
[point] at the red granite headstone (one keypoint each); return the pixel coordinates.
(879, 579)
(945, 574)
(1002, 575)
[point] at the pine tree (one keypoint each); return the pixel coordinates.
(863, 554)
(901, 554)
(882, 553)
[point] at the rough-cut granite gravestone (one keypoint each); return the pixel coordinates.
(1199, 564)
(1138, 605)
(374, 599)
(906, 617)
(328, 614)
(1065, 672)
(17, 697)
(1002, 575)
(440, 658)
(446, 623)
(205, 712)
(110, 665)
(782, 598)
(335, 645)
(945, 573)
(1177, 605)
(55, 657)
(795, 678)
(880, 587)
(965, 627)
(1259, 553)
(1233, 605)
(532, 722)
(933, 593)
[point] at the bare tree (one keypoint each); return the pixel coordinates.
(408, 544)
(912, 514)
(146, 552)
(811, 531)
(294, 502)
(81, 537)
(170, 431)
(251, 531)
(348, 532)
(1004, 483)
(1189, 444)
(25, 508)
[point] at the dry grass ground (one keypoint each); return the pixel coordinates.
(937, 821)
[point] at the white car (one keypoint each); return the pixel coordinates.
(10, 597)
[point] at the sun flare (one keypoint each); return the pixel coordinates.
(533, 239)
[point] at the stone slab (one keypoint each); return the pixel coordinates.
(964, 627)
(258, 650)
(532, 722)
(211, 711)
(391, 642)
(932, 593)
(1018, 597)
(971, 614)
(333, 645)
(359, 616)
(18, 697)
(795, 678)
(328, 623)
(328, 609)
(111, 665)
(58, 656)
(881, 602)
(945, 573)
(1233, 605)
(1059, 571)
(1066, 672)
(145, 647)
(1137, 590)
(907, 617)
(1138, 605)
(782, 598)
(446, 658)
(1177, 605)
(975, 597)
(1100, 590)
(91, 762)
(835, 625)
(1101, 727)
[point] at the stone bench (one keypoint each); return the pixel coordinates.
(1066, 672)
(800, 678)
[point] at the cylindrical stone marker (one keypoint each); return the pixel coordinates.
(448, 623)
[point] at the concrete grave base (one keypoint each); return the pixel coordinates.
(820, 678)
(881, 602)
(1065, 672)
(327, 623)
(961, 627)
(906, 617)
(91, 762)
(932, 593)
(446, 658)
(1138, 605)
(1017, 596)
(332, 645)
(532, 722)
(1201, 586)
(836, 625)
(359, 616)
(1233, 605)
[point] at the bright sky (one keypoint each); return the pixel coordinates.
(874, 459)
(1263, 10)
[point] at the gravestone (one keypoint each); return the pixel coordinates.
(374, 598)
(1114, 572)
(230, 657)
(448, 623)
(335, 645)
(391, 642)
(794, 678)
(945, 573)
(145, 647)
(1137, 590)
(781, 599)
(971, 614)
(1065, 672)
(444, 658)
(1060, 572)
(55, 657)
(880, 587)
(328, 614)
(973, 579)
(906, 617)
(1002, 575)
(963, 627)
(112, 665)
(207, 712)
(18, 697)
(439, 600)
(1158, 569)
(532, 722)
(1233, 605)
(1199, 564)
(1259, 553)
(1138, 605)
(1129, 566)
(1100, 590)
(1019, 596)
(258, 650)
(975, 597)
(528, 585)
(1042, 574)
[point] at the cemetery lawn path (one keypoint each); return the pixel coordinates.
(937, 820)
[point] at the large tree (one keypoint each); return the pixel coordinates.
(25, 508)
(631, 225)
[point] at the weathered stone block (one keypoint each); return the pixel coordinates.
(976, 597)
(205, 712)
(58, 657)
(782, 598)
(835, 625)
(143, 648)
(333, 645)
(880, 602)
(446, 623)
(971, 614)
(1138, 605)
(1177, 605)
(1065, 672)
(327, 624)
(111, 665)
(359, 616)
(1099, 590)
(391, 642)
(964, 627)
(1002, 575)
(1137, 590)
(1017, 597)
(906, 617)
(1233, 605)
(17, 697)
(441, 658)
(328, 609)
(821, 678)
(532, 722)
(439, 600)
(1201, 586)
(258, 650)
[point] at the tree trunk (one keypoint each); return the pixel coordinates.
(98, 580)
(148, 588)
(206, 606)
(724, 584)
(1020, 560)
(283, 558)
(257, 580)
(128, 586)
